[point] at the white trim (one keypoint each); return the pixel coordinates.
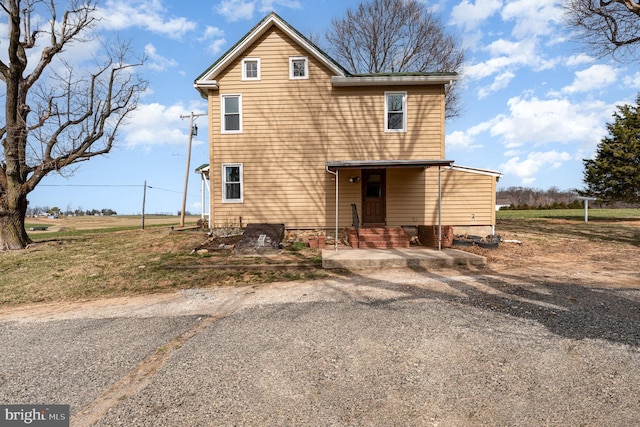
(271, 20)
(474, 170)
(386, 112)
(306, 67)
(382, 80)
(244, 69)
(222, 112)
(224, 183)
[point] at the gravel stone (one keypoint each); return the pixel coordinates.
(71, 362)
(412, 362)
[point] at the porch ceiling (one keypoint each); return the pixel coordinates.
(377, 164)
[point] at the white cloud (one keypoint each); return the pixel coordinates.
(236, 10)
(214, 37)
(500, 82)
(581, 58)
(156, 61)
(526, 169)
(507, 55)
(595, 77)
(533, 18)
(147, 14)
(470, 15)
(459, 141)
(156, 124)
(538, 122)
(632, 81)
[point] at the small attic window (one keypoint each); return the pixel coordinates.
(299, 67)
(251, 69)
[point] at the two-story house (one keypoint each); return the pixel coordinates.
(297, 139)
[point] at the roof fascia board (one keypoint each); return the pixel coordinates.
(204, 86)
(391, 80)
(476, 171)
(257, 32)
(376, 164)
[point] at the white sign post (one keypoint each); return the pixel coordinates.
(586, 206)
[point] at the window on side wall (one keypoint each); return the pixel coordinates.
(395, 112)
(299, 67)
(232, 183)
(231, 107)
(251, 69)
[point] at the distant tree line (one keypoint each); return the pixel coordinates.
(56, 211)
(523, 198)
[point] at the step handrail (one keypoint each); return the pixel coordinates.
(355, 222)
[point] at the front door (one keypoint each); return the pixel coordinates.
(374, 190)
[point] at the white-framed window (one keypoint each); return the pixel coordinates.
(395, 111)
(299, 67)
(232, 188)
(251, 69)
(231, 111)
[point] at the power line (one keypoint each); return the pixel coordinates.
(89, 185)
(114, 186)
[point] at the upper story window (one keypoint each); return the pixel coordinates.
(395, 112)
(232, 183)
(231, 108)
(299, 67)
(251, 69)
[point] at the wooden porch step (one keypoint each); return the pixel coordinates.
(379, 238)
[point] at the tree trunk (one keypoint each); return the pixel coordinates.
(12, 232)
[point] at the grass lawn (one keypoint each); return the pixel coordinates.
(76, 263)
(578, 214)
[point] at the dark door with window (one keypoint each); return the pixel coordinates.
(374, 190)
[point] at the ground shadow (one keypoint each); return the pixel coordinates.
(567, 310)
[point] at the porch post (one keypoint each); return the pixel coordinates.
(337, 182)
(439, 208)
(202, 196)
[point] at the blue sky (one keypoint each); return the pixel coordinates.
(535, 104)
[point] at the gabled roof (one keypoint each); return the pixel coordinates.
(342, 77)
(207, 79)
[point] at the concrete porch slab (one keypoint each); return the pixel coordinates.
(354, 259)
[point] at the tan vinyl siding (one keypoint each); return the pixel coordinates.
(292, 127)
(468, 198)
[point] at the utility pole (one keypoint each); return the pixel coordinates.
(144, 199)
(193, 131)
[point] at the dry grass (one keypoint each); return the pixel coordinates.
(97, 264)
(90, 258)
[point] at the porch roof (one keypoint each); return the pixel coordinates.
(377, 164)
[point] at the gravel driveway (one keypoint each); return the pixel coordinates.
(399, 348)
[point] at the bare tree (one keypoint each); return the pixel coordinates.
(396, 36)
(609, 27)
(56, 114)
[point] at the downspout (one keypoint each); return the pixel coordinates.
(336, 175)
(439, 208)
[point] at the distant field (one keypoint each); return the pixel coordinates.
(74, 224)
(594, 214)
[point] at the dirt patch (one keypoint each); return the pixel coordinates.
(598, 253)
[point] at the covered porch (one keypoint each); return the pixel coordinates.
(386, 193)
